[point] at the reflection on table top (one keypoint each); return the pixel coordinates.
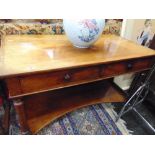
(20, 54)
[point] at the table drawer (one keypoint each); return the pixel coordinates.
(58, 79)
(123, 67)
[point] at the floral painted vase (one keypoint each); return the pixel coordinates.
(83, 33)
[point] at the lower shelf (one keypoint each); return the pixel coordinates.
(44, 108)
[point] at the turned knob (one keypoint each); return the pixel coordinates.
(129, 66)
(67, 77)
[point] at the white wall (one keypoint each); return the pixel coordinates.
(125, 80)
(130, 31)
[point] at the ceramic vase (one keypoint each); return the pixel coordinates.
(84, 32)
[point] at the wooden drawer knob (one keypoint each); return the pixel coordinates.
(67, 77)
(129, 66)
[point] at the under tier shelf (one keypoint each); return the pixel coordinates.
(55, 104)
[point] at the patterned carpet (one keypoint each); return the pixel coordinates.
(92, 120)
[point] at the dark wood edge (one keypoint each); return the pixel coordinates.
(71, 85)
(74, 67)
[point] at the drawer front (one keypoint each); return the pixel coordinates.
(123, 67)
(58, 79)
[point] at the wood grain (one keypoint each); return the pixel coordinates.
(43, 108)
(41, 82)
(49, 75)
(20, 110)
(27, 54)
(57, 79)
(122, 67)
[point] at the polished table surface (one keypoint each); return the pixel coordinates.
(46, 77)
(23, 54)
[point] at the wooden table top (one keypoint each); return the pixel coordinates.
(23, 54)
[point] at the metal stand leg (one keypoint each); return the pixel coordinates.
(137, 98)
(132, 102)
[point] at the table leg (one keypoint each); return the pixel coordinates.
(20, 110)
(6, 118)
